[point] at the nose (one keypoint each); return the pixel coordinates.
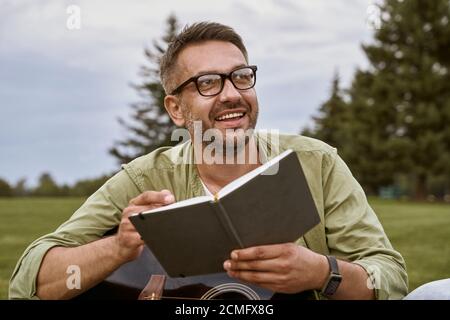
(229, 93)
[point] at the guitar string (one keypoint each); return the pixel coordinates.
(183, 298)
(221, 289)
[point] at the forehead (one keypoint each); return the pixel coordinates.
(216, 56)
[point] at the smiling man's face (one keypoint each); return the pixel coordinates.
(229, 110)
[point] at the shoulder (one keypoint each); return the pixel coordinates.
(164, 158)
(161, 168)
(305, 147)
(301, 143)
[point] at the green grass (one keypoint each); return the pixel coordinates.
(420, 231)
(24, 220)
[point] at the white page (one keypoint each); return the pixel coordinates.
(250, 175)
(183, 203)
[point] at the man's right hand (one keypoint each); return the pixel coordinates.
(128, 240)
(97, 259)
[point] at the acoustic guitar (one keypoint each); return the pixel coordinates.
(131, 282)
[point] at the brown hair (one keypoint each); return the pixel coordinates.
(195, 33)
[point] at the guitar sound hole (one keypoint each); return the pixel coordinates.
(231, 296)
(236, 291)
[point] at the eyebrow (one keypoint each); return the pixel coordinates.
(201, 73)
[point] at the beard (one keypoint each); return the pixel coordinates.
(232, 140)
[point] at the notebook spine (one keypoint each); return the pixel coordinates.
(226, 223)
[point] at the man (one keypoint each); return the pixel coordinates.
(208, 81)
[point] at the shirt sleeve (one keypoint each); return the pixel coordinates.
(354, 233)
(100, 213)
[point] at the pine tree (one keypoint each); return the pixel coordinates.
(151, 127)
(407, 102)
(396, 122)
(373, 155)
(330, 120)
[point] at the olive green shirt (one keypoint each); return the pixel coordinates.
(349, 228)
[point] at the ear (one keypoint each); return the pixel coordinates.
(172, 105)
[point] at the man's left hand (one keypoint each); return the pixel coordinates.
(285, 268)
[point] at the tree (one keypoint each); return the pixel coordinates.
(20, 189)
(5, 189)
(348, 127)
(151, 126)
(47, 187)
(329, 123)
(87, 187)
(372, 150)
(396, 121)
(409, 94)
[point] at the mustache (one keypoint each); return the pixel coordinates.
(228, 106)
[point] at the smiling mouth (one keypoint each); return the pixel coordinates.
(231, 116)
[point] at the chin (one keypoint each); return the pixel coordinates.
(240, 137)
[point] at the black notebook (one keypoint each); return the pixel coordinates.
(271, 204)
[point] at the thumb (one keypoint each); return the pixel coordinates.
(167, 196)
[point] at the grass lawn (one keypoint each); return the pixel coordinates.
(420, 231)
(24, 220)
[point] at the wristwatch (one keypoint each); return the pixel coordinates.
(334, 279)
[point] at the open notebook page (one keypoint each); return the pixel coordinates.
(183, 203)
(248, 176)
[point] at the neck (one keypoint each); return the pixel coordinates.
(217, 175)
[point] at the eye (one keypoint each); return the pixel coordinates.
(243, 76)
(208, 81)
(205, 82)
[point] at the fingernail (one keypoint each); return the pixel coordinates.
(169, 198)
(234, 255)
(227, 265)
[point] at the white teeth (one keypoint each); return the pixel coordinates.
(231, 115)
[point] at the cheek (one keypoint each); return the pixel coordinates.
(252, 101)
(201, 112)
(203, 109)
(192, 107)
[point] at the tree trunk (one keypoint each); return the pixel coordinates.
(421, 187)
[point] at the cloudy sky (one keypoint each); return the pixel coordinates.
(61, 90)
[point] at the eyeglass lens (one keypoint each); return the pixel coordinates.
(211, 84)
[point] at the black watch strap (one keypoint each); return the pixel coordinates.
(334, 278)
(333, 264)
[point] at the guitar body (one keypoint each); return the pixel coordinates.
(127, 282)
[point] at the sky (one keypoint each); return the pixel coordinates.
(62, 88)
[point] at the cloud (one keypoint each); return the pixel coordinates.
(61, 90)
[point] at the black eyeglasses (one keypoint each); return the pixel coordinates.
(211, 84)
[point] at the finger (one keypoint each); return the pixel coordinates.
(255, 277)
(128, 211)
(130, 238)
(269, 265)
(127, 225)
(138, 239)
(153, 197)
(258, 253)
